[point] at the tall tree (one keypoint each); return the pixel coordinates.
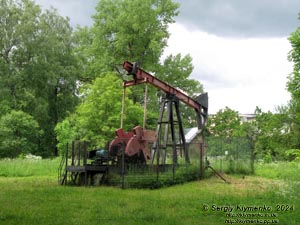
(38, 69)
(176, 71)
(293, 86)
(137, 31)
(130, 29)
(126, 30)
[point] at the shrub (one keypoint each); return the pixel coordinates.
(19, 134)
(293, 154)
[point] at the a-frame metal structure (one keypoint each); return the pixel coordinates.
(170, 132)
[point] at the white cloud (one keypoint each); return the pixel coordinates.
(79, 11)
(236, 18)
(238, 73)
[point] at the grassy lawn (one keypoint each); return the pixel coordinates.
(34, 197)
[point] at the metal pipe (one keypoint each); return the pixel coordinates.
(145, 106)
(123, 106)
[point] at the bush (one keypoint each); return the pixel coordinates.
(19, 134)
(293, 154)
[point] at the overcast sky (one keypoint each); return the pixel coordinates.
(239, 48)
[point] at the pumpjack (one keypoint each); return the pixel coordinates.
(169, 126)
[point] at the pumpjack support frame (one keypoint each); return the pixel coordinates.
(169, 104)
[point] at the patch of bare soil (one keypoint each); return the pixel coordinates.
(245, 185)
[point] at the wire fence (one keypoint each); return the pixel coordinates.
(223, 155)
(230, 155)
(155, 175)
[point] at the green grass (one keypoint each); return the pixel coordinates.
(28, 167)
(280, 170)
(35, 197)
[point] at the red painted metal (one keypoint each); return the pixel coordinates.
(121, 136)
(141, 76)
(140, 142)
(136, 141)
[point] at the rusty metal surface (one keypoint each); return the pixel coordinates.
(121, 137)
(140, 142)
(136, 141)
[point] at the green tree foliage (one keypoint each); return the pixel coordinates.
(38, 70)
(226, 123)
(229, 137)
(221, 129)
(268, 135)
(98, 116)
(19, 134)
(293, 86)
(65, 133)
(293, 154)
(130, 29)
(176, 71)
(272, 134)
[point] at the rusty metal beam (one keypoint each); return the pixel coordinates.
(141, 76)
(200, 104)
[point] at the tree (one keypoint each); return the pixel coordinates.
(293, 86)
(19, 133)
(176, 71)
(272, 134)
(221, 129)
(130, 29)
(250, 131)
(136, 31)
(226, 123)
(65, 133)
(98, 116)
(38, 69)
(126, 30)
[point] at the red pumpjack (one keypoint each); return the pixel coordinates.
(135, 143)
